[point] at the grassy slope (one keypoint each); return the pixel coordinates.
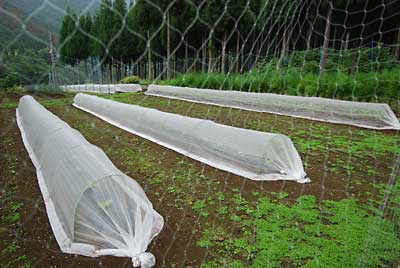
(40, 17)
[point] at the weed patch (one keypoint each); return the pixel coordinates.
(335, 234)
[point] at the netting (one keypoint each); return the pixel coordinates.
(368, 115)
(344, 50)
(247, 153)
(94, 209)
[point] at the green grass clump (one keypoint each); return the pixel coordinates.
(336, 234)
(130, 80)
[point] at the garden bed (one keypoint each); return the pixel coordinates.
(214, 218)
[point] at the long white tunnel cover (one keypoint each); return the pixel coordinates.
(103, 88)
(361, 114)
(93, 208)
(251, 154)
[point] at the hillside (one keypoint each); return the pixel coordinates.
(39, 17)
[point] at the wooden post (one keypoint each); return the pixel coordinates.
(168, 47)
(53, 61)
(237, 51)
(397, 48)
(334, 38)
(79, 77)
(204, 57)
(186, 57)
(223, 54)
(210, 55)
(283, 52)
(149, 56)
(121, 69)
(324, 52)
(110, 66)
(310, 32)
(346, 45)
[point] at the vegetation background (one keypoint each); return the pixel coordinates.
(344, 49)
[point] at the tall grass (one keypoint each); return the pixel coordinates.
(363, 74)
(361, 86)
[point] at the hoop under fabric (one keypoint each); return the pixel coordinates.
(361, 114)
(252, 154)
(94, 209)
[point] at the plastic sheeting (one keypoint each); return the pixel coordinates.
(93, 208)
(251, 154)
(361, 114)
(103, 88)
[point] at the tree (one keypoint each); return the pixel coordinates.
(221, 23)
(88, 30)
(120, 39)
(330, 6)
(120, 45)
(245, 15)
(68, 41)
(144, 20)
(105, 33)
(81, 37)
(172, 28)
(95, 43)
(325, 45)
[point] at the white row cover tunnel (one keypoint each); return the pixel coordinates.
(361, 114)
(103, 88)
(251, 154)
(94, 209)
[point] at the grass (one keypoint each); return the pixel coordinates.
(275, 234)
(12, 217)
(373, 86)
(369, 80)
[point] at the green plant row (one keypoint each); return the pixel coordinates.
(369, 87)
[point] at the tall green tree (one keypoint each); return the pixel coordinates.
(105, 31)
(81, 37)
(120, 40)
(88, 30)
(330, 6)
(68, 41)
(144, 20)
(120, 44)
(95, 43)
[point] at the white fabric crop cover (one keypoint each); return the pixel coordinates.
(93, 208)
(361, 114)
(103, 88)
(251, 154)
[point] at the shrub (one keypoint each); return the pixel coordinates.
(344, 86)
(366, 86)
(310, 67)
(389, 83)
(130, 80)
(213, 81)
(10, 80)
(290, 82)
